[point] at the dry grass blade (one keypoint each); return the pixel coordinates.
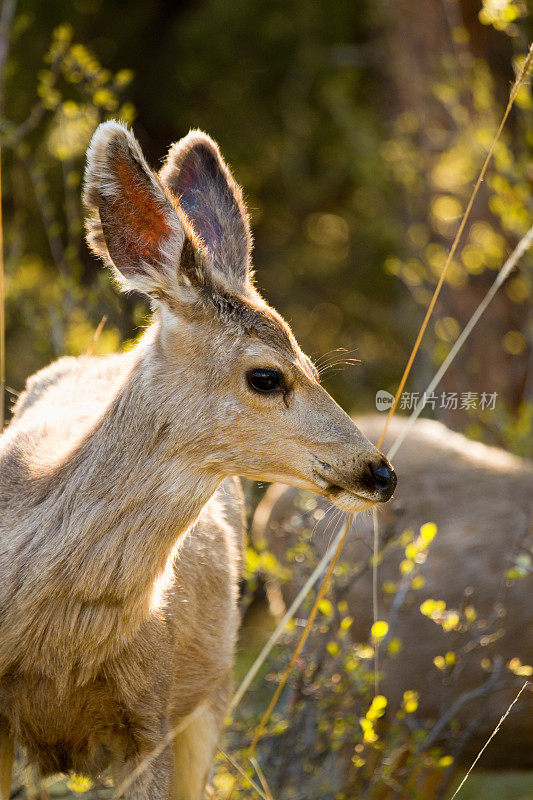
(261, 776)
(491, 737)
(244, 776)
(96, 335)
(522, 247)
(375, 523)
(516, 86)
(2, 315)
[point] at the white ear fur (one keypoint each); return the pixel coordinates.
(133, 224)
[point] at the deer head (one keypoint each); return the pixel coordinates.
(239, 395)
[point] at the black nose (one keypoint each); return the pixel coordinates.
(384, 478)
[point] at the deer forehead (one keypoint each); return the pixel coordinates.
(225, 324)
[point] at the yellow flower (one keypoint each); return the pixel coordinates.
(332, 648)
(326, 607)
(523, 670)
(449, 658)
(395, 645)
(406, 566)
(411, 550)
(369, 734)
(451, 621)
(445, 761)
(79, 784)
(377, 708)
(410, 701)
(379, 630)
(430, 607)
(428, 532)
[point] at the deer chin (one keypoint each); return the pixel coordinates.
(347, 501)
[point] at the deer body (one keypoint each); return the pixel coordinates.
(120, 514)
(121, 635)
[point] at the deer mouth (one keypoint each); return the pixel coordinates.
(347, 499)
(344, 498)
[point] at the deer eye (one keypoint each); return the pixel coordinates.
(265, 380)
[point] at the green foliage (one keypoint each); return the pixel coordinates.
(353, 197)
(305, 144)
(452, 164)
(54, 300)
(436, 156)
(502, 14)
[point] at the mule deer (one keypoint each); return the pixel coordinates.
(480, 498)
(120, 516)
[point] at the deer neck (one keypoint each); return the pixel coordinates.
(143, 489)
(116, 511)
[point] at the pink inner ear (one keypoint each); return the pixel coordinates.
(137, 212)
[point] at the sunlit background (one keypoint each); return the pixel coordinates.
(356, 130)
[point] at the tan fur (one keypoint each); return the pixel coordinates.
(6, 763)
(481, 499)
(120, 519)
(193, 748)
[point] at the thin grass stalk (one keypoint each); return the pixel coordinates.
(491, 737)
(96, 336)
(2, 314)
(262, 779)
(375, 522)
(244, 776)
(521, 248)
(514, 91)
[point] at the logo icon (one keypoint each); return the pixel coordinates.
(384, 400)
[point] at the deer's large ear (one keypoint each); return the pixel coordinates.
(133, 224)
(202, 184)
